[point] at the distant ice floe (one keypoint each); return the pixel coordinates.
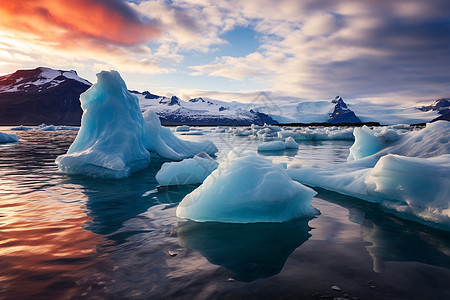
(298, 134)
(8, 138)
(115, 139)
(247, 188)
(44, 127)
(407, 173)
(188, 171)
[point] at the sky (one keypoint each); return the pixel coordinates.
(381, 51)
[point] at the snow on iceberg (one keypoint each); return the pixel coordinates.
(188, 171)
(246, 188)
(8, 138)
(413, 183)
(165, 143)
(110, 140)
(289, 143)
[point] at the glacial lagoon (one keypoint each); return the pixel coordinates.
(76, 237)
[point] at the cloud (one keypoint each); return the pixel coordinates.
(58, 32)
(364, 49)
(60, 21)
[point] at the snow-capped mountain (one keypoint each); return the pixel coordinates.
(442, 106)
(45, 95)
(200, 111)
(334, 112)
(41, 95)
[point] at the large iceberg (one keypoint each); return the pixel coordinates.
(8, 138)
(188, 171)
(247, 188)
(114, 139)
(165, 143)
(408, 173)
(110, 142)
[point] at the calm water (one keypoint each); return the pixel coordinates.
(65, 237)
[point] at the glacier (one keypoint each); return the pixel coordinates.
(110, 142)
(8, 138)
(407, 173)
(247, 188)
(188, 171)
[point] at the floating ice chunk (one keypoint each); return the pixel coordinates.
(21, 127)
(188, 171)
(110, 140)
(272, 146)
(414, 185)
(318, 134)
(182, 128)
(433, 140)
(166, 144)
(246, 188)
(289, 143)
(47, 128)
(8, 138)
(368, 142)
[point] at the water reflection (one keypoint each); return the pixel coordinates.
(391, 238)
(251, 251)
(286, 152)
(111, 202)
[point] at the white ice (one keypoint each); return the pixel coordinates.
(8, 138)
(247, 188)
(188, 171)
(165, 143)
(114, 139)
(289, 143)
(407, 173)
(110, 142)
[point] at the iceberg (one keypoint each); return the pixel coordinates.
(114, 139)
(166, 144)
(289, 143)
(8, 138)
(188, 171)
(110, 142)
(408, 174)
(247, 188)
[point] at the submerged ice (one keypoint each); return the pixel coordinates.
(114, 139)
(407, 173)
(246, 188)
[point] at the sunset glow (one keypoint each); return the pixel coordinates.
(378, 51)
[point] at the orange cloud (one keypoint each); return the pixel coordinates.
(64, 22)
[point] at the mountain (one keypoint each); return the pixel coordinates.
(200, 111)
(41, 95)
(334, 112)
(341, 113)
(442, 106)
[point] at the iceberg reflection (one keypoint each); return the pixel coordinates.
(251, 251)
